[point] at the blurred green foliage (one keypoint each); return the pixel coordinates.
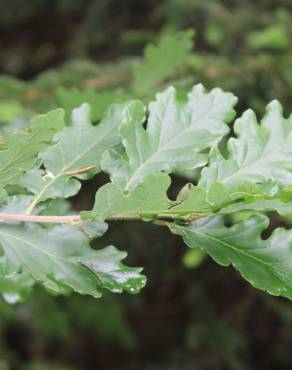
(241, 46)
(64, 52)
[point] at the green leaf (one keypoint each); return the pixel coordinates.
(61, 257)
(18, 204)
(75, 153)
(3, 195)
(9, 110)
(161, 61)
(58, 207)
(260, 152)
(250, 191)
(262, 202)
(266, 264)
(22, 147)
(193, 200)
(262, 206)
(99, 101)
(248, 197)
(148, 198)
(174, 138)
(193, 258)
(217, 195)
(273, 37)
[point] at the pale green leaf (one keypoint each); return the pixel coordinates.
(60, 257)
(261, 206)
(196, 201)
(147, 199)
(22, 147)
(281, 202)
(75, 153)
(273, 37)
(9, 110)
(260, 152)
(3, 195)
(250, 191)
(98, 101)
(45, 185)
(18, 204)
(175, 136)
(162, 60)
(58, 207)
(193, 200)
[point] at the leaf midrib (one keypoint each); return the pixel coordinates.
(261, 159)
(6, 168)
(65, 168)
(54, 258)
(134, 174)
(243, 252)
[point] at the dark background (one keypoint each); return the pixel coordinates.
(201, 317)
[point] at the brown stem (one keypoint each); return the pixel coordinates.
(161, 219)
(36, 218)
(57, 219)
(80, 170)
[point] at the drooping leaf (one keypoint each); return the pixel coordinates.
(22, 147)
(260, 152)
(266, 264)
(175, 136)
(61, 258)
(75, 153)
